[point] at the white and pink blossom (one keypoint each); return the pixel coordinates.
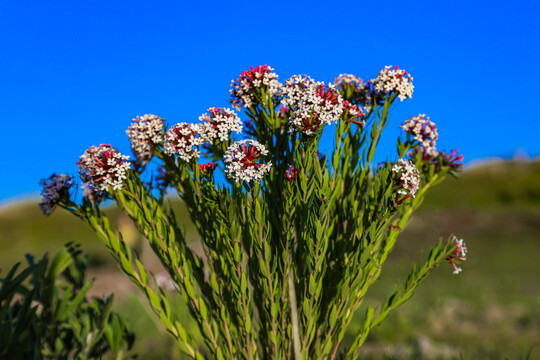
(353, 113)
(292, 92)
(406, 178)
(218, 123)
(244, 88)
(396, 81)
(183, 139)
(312, 103)
(458, 254)
(102, 167)
(424, 131)
(243, 161)
(145, 133)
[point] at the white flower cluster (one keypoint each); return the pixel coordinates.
(54, 189)
(242, 90)
(394, 80)
(218, 123)
(102, 167)
(181, 138)
(424, 131)
(144, 133)
(293, 89)
(242, 161)
(319, 105)
(313, 103)
(408, 177)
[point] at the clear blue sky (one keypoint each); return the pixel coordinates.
(74, 73)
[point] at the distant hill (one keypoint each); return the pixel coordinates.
(496, 184)
(24, 229)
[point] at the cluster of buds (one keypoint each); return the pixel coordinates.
(291, 174)
(424, 131)
(426, 157)
(313, 104)
(244, 88)
(458, 254)
(353, 113)
(242, 161)
(453, 160)
(394, 81)
(145, 133)
(102, 167)
(218, 123)
(184, 139)
(355, 89)
(406, 179)
(207, 168)
(55, 189)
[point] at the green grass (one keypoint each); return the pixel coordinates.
(489, 311)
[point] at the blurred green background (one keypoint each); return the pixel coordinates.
(489, 311)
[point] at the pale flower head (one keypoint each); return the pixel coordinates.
(183, 139)
(313, 104)
(424, 131)
(243, 161)
(293, 90)
(218, 123)
(406, 179)
(102, 167)
(145, 133)
(244, 88)
(394, 81)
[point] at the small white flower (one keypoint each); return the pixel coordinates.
(293, 90)
(407, 178)
(184, 139)
(243, 89)
(424, 131)
(394, 80)
(313, 104)
(145, 132)
(242, 161)
(102, 167)
(218, 123)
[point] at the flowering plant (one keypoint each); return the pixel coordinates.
(295, 237)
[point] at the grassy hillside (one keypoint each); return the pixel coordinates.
(490, 311)
(496, 185)
(23, 229)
